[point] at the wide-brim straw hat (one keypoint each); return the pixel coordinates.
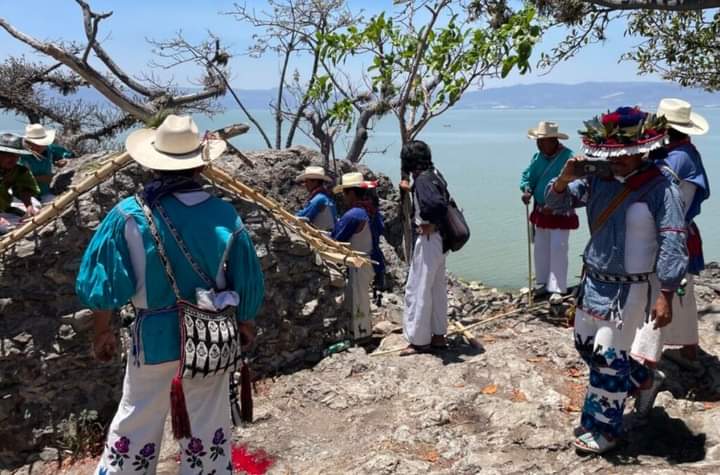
(679, 116)
(546, 130)
(39, 135)
(175, 145)
(354, 180)
(313, 173)
(12, 143)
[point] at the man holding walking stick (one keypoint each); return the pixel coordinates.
(552, 228)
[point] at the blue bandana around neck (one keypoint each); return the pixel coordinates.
(164, 185)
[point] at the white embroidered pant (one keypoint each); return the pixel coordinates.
(604, 346)
(551, 258)
(357, 296)
(682, 330)
(135, 434)
(426, 292)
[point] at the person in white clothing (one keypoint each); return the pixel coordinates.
(163, 250)
(425, 316)
(681, 161)
(361, 226)
(552, 228)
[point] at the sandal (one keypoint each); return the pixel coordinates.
(594, 442)
(414, 350)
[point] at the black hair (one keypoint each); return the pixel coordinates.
(415, 155)
(676, 135)
(360, 193)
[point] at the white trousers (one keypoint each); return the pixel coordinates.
(551, 258)
(604, 346)
(135, 434)
(682, 330)
(357, 296)
(426, 292)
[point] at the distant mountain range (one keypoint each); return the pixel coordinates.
(591, 95)
(594, 95)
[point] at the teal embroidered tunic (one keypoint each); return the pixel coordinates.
(43, 166)
(214, 234)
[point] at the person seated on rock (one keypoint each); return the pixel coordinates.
(425, 318)
(637, 235)
(177, 253)
(319, 207)
(361, 226)
(16, 182)
(682, 162)
(44, 155)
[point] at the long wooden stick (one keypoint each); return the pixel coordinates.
(326, 247)
(109, 167)
(465, 329)
(469, 337)
(528, 227)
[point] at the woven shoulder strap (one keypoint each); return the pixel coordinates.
(209, 283)
(609, 210)
(159, 245)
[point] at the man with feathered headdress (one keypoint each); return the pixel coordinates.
(638, 234)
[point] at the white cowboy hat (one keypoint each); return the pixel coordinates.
(175, 145)
(680, 117)
(354, 180)
(546, 130)
(313, 173)
(39, 135)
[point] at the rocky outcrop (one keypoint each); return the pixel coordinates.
(509, 408)
(46, 369)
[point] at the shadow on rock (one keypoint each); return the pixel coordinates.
(663, 437)
(457, 352)
(700, 384)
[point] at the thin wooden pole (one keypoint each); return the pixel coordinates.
(528, 227)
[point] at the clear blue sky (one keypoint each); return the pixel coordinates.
(134, 20)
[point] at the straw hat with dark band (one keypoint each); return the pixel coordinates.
(313, 173)
(546, 130)
(679, 116)
(175, 145)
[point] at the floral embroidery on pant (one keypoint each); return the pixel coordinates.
(218, 440)
(119, 452)
(195, 452)
(143, 458)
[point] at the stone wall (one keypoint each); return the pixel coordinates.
(46, 369)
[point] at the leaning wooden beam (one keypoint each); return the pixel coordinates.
(327, 248)
(112, 165)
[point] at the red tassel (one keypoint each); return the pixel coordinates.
(178, 410)
(246, 402)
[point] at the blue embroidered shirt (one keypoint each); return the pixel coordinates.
(214, 234)
(605, 252)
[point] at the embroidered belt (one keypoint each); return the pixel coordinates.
(618, 278)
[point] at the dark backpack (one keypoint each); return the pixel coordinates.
(455, 230)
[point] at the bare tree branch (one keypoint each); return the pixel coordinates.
(89, 74)
(91, 21)
(667, 5)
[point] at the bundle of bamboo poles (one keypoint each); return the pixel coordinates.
(328, 249)
(53, 210)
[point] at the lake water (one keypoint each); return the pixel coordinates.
(482, 153)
